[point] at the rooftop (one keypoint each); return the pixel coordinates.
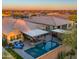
(60, 31)
(9, 24)
(49, 20)
(36, 32)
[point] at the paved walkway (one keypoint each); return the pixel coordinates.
(23, 54)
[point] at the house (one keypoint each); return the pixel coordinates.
(12, 29)
(13, 35)
(51, 22)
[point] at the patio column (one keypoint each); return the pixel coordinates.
(55, 27)
(47, 27)
(67, 26)
(61, 27)
(44, 36)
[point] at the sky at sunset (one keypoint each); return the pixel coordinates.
(39, 4)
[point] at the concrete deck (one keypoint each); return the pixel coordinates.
(23, 54)
(27, 45)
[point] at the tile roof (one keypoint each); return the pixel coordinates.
(9, 24)
(49, 20)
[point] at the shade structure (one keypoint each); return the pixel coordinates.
(60, 31)
(36, 32)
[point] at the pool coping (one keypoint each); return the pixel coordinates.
(49, 52)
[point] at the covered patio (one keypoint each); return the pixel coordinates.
(35, 36)
(38, 36)
(58, 33)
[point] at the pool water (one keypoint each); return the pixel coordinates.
(42, 48)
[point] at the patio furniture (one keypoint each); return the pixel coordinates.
(18, 45)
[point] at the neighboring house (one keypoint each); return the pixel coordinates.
(13, 36)
(51, 22)
(12, 29)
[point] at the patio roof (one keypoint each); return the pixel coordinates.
(60, 31)
(36, 32)
(49, 20)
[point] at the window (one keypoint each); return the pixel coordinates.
(47, 27)
(64, 26)
(51, 27)
(12, 38)
(69, 25)
(18, 36)
(58, 27)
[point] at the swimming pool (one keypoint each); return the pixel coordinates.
(42, 48)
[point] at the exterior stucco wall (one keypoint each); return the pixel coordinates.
(52, 54)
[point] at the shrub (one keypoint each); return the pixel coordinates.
(13, 53)
(61, 55)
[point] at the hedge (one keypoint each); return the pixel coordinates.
(13, 53)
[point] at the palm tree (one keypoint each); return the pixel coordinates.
(71, 41)
(4, 40)
(61, 55)
(73, 18)
(70, 53)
